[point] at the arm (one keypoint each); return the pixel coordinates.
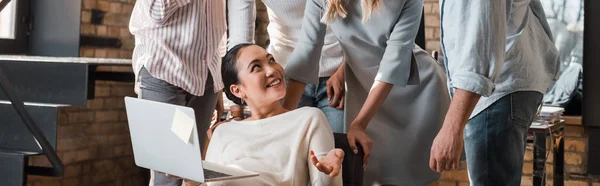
(321, 142)
(293, 94)
(303, 63)
(460, 110)
(161, 10)
(394, 69)
(375, 99)
(447, 145)
(474, 63)
(336, 88)
(219, 107)
(241, 18)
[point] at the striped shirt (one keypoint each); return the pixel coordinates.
(180, 41)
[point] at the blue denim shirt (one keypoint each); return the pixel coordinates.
(497, 47)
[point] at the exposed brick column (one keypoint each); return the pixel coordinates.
(432, 25)
(93, 141)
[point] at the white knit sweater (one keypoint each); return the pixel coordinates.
(276, 147)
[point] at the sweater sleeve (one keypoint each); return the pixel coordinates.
(303, 63)
(161, 10)
(242, 15)
(321, 142)
(395, 65)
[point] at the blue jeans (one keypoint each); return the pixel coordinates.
(315, 95)
(495, 140)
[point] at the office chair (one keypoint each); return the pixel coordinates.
(352, 166)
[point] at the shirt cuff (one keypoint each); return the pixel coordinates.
(473, 82)
(298, 76)
(181, 3)
(396, 66)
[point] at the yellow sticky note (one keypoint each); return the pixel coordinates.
(182, 125)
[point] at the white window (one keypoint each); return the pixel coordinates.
(7, 20)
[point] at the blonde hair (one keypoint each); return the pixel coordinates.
(334, 9)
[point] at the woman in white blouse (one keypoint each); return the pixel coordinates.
(285, 24)
(285, 147)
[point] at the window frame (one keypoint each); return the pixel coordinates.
(20, 43)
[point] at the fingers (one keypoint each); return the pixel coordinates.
(314, 159)
(340, 154)
(190, 183)
(455, 164)
(439, 165)
(432, 162)
(316, 162)
(329, 91)
(335, 171)
(326, 164)
(337, 164)
(210, 130)
(448, 165)
(366, 145)
(352, 143)
(338, 96)
(341, 105)
(209, 134)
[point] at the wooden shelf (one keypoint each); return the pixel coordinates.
(572, 120)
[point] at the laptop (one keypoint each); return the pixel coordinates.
(164, 138)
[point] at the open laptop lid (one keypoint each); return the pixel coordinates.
(158, 136)
(164, 137)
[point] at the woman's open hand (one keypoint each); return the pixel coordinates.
(331, 164)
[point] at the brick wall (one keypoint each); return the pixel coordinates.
(93, 141)
(431, 9)
(114, 16)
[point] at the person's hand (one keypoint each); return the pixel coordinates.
(331, 164)
(186, 182)
(210, 130)
(294, 90)
(219, 108)
(237, 111)
(446, 150)
(357, 134)
(190, 183)
(336, 89)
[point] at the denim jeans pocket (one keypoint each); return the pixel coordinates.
(524, 106)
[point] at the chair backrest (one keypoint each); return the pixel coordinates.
(352, 167)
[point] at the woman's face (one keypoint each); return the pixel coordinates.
(261, 77)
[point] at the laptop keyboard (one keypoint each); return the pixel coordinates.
(209, 174)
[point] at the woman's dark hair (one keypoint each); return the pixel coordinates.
(229, 71)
